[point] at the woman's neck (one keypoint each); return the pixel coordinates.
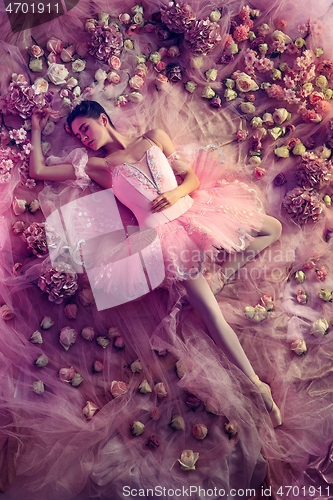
(116, 142)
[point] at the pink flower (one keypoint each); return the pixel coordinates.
(161, 81)
(97, 367)
(52, 58)
(6, 313)
(141, 70)
(19, 206)
(241, 135)
(259, 172)
(322, 273)
(192, 401)
(54, 45)
(118, 342)
(136, 82)
(280, 179)
(302, 297)
(67, 374)
(18, 226)
(160, 390)
(88, 333)
(325, 67)
(113, 332)
(322, 107)
(59, 282)
(36, 51)
(82, 49)
(250, 56)
(292, 49)
(86, 297)
(67, 337)
(275, 91)
(17, 268)
(66, 54)
(310, 116)
(160, 66)
(199, 431)
(281, 25)
(71, 311)
(118, 388)
(46, 323)
(89, 410)
(155, 414)
(299, 347)
(263, 65)
(114, 62)
(241, 33)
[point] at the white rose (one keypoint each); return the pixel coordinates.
(244, 83)
(260, 313)
(128, 45)
(36, 65)
(232, 48)
(78, 65)
(280, 115)
(323, 152)
(299, 347)
(46, 146)
(72, 82)
(100, 75)
(276, 74)
(268, 119)
(41, 84)
(137, 9)
(230, 94)
(275, 133)
(190, 86)
(103, 17)
(319, 327)
(256, 122)
(49, 128)
(249, 312)
(279, 36)
(188, 459)
(138, 19)
(247, 107)
(229, 83)
(255, 161)
(208, 92)
(197, 62)
(251, 36)
(211, 75)
(264, 29)
(215, 16)
(135, 97)
(57, 73)
(155, 57)
(263, 48)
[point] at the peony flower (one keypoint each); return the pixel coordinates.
(144, 387)
(244, 83)
(67, 337)
(89, 410)
(36, 338)
(19, 206)
(325, 295)
(88, 333)
(97, 367)
(46, 323)
(136, 366)
(299, 347)
(319, 328)
(118, 342)
(41, 361)
(102, 341)
(66, 374)
(199, 431)
(282, 152)
(192, 401)
(77, 380)
(38, 387)
(300, 276)
(118, 388)
(57, 74)
(302, 297)
(188, 460)
(160, 390)
(6, 312)
(86, 297)
(177, 422)
(137, 428)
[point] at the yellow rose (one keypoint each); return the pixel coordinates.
(299, 149)
(321, 82)
(300, 42)
(282, 152)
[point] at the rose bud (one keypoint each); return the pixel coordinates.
(309, 143)
(161, 81)
(38, 387)
(86, 297)
(144, 387)
(97, 367)
(118, 388)
(36, 338)
(71, 311)
(211, 407)
(6, 313)
(153, 442)
(66, 374)
(199, 431)
(19, 206)
(18, 226)
(302, 297)
(267, 302)
(125, 18)
(119, 343)
(114, 62)
(328, 235)
(231, 429)
(54, 45)
(88, 333)
(249, 312)
(188, 460)
(41, 361)
(319, 328)
(300, 276)
(52, 58)
(216, 102)
(192, 401)
(160, 390)
(82, 49)
(327, 200)
(17, 268)
(280, 179)
(46, 323)
(181, 368)
(155, 414)
(321, 273)
(136, 366)
(34, 205)
(102, 342)
(89, 410)
(177, 422)
(325, 295)
(137, 428)
(66, 54)
(299, 347)
(113, 332)
(76, 380)
(67, 337)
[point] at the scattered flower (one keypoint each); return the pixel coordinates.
(88, 333)
(41, 361)
(302, 297)
(137, 428)
(66, 374)
(325, 295)
(6, 312)
(118, 388)
(177, 422)
(188, 460)
(89, 410)
(97, 367)
(299, 347)
(102, 341)
(67, 337)
(136, 366)
(160, 390)
(153, 442)
(144, 387)
(199, 431)
(38, 387)
(319, 328)
(46, 323)
(36, 337)
(155, 414)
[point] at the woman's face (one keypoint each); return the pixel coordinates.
(91, 132)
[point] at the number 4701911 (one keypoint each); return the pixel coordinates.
(25, 8)
(295, 491)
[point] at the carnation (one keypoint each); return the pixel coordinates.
(303, 205)
(106, 41)
(178, 18)
(35, 237)
(313, 172)
(58, 282)
(203, 37)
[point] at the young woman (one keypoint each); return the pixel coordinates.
(191, 234)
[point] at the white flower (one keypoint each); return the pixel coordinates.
(280, 115)
(230, 94)
(229, 83)
(78, 65)
(255, 161)
(46, 323)
(135, 97)
(136, 366)
(263, 48)
(279, 36)
(155, 57)
(100, 75)
(264, 29)
(49, 128)
(275, 132)
(215, 16)
(72, 82)
(249, 312)
(137, 9)
(232, 48)
(36, 337)
(208, 92)
(323, 152)
(36, 65)
(57, 73)
(319, 327)
(299, 347)
(190, 86)
(46, 146)
(256, 122)
(138, 19)
(247, 107)
(211, 75)
(41, 84)
(188, 460)
(76, 91)
(197, 62)
(38, 387)
(41, 361)
(128, 45)
(89, 410)
(244, 83)
(268, 119)
(321, 82)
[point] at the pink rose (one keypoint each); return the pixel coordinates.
(315, 97)
(36, 51)
(322, 107)
(161, 81)
(89, 410)
(141, 70)
(153, 442)
(136, 366)
(90, 25)
(160, 390)
(136, 82)
(18, 227)
(241, 135)
(118, 388)
(281, 25)
(46, 323)
(97, 367)
(125, 18)
(17, 268)
(67, 337)
(267, 301)
(160, 66)
(71, 311)
(88, 333)
(118, 342)
(67, 53)
(244, 83)
(19, 206)
(54, 45)
(155, 414)
(82, 49)
(322, 273)
(299, 347)
(114, 62)
(113, 332)
(199, 431)
(66, 374)
(113, 77)
(192, 401)
(302, 297)
(6, 312)
(52, 58)
(259, 172)
(86, 297)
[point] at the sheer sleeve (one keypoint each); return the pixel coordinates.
(78, 158)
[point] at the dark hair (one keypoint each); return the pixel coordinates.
(90, 109)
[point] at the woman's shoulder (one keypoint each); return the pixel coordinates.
(161, 139)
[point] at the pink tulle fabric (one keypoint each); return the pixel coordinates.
(48, 448)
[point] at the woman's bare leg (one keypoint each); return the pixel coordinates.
(269, 233)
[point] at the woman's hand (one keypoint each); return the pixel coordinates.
(39, 118)
(165, 200)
